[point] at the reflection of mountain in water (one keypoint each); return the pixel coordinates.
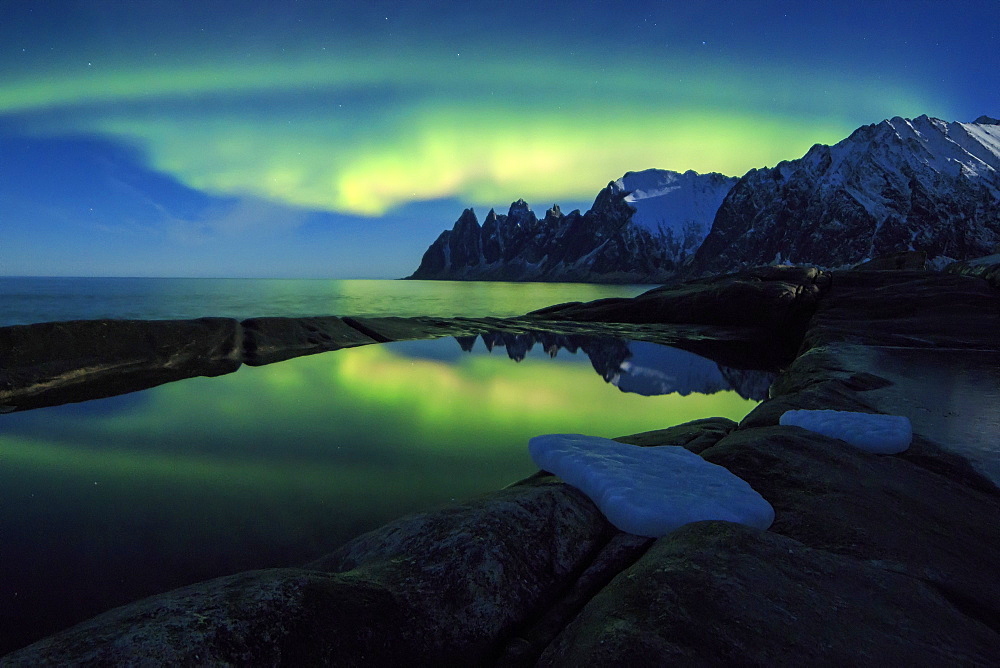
(636, 366)
(652, 369)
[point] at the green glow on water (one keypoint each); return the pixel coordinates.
(119, 498)
(373, 399)
(325, 426)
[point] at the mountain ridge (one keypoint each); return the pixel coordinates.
(920, 184)
(630, 234)
(901, 184)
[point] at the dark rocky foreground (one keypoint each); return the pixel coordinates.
(871, 559)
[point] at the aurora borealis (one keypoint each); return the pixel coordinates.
(336, 140)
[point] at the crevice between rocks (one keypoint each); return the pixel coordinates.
(975, 611)
(967, 606)
(237, 352)
(527, 644)
(367, 331)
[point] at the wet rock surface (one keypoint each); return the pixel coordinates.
(871, 559)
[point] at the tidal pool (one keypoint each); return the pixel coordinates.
(106, 501)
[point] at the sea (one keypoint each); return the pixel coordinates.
(106, 501)
(25, 300)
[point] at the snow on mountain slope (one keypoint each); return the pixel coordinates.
(949, 149)
(672, 204)
(902, 184)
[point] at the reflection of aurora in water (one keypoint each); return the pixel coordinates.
(113, 499)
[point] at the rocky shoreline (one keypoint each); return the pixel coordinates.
(871, 558)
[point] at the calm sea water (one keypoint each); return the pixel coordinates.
(28, 300)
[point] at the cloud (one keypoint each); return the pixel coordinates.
(254, 216)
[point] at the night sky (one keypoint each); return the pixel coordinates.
(335, 139)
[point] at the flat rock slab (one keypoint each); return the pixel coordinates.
(720, 594)
(772, 297)
(906, 308)
(47, 364)
(951, 396)
(54, 363)
(384, 330)
(649, 491)
(268, 340)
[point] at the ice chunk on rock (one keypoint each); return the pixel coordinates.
(650, 491)
(880, 434)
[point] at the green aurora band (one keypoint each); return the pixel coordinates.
(364, 134)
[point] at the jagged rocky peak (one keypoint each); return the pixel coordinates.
(639, 229)
(520, 207)
(919, 184)
(520, 214)
(467, 219)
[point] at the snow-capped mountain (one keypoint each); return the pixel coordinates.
(640, 228)
(920, 184)
(903, 184)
